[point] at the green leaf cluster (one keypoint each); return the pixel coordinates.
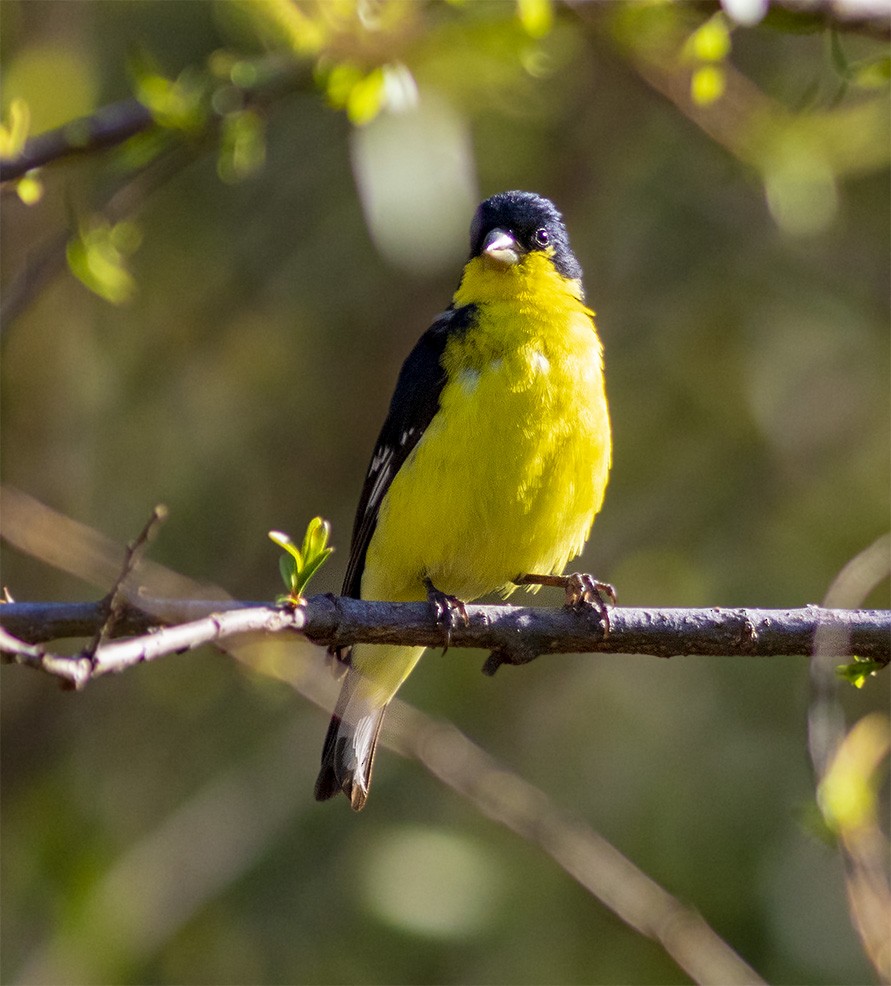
(97, 256)
(859, 670)
(299, 565)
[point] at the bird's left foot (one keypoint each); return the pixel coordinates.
(448, 611)
(584, 590)
(581, 590)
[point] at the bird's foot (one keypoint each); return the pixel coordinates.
(584, 590)
(581, 590)
(448, 611)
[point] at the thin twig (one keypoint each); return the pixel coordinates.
(119, 655)
(115, 602)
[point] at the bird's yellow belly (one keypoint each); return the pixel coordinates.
(513, 469)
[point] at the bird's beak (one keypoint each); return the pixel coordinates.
(501, 247)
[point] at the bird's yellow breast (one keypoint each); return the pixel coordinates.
(512, 469)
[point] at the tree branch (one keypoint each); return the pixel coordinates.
(106, 127)
(579, 850)
(514, 634)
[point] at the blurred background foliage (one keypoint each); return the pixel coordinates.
(243, 281)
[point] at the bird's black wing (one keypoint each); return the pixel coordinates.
(415, 402)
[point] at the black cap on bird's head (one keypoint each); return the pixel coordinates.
(512, 224)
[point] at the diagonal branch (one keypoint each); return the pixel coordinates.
(578, 849)
(106, 127)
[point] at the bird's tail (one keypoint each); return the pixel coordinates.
(348, 753)
(373, 677)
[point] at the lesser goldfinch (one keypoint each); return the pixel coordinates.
(492, 461)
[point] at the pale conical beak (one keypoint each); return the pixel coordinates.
(500, 247)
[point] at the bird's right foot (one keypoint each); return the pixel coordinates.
(448, 611)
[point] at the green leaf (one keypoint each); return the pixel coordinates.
(857, 672)
(367, 97)
(338, 80)
(707, 85)
(848, 794)
(873, 74)
(242, 146)
(279, 538)
(14, 134)
(29, 188)
(283, 22)
(536, 16)
(177, 104)
(711, 41)
(288, 569)
(299, 566)
(316, 537)
(97, 256)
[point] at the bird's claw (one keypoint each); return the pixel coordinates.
(447, 611)
(584, 590)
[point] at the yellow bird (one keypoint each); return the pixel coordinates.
(492, 462)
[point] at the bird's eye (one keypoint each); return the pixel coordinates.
(542, 237)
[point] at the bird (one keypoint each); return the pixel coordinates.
(491, 464)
